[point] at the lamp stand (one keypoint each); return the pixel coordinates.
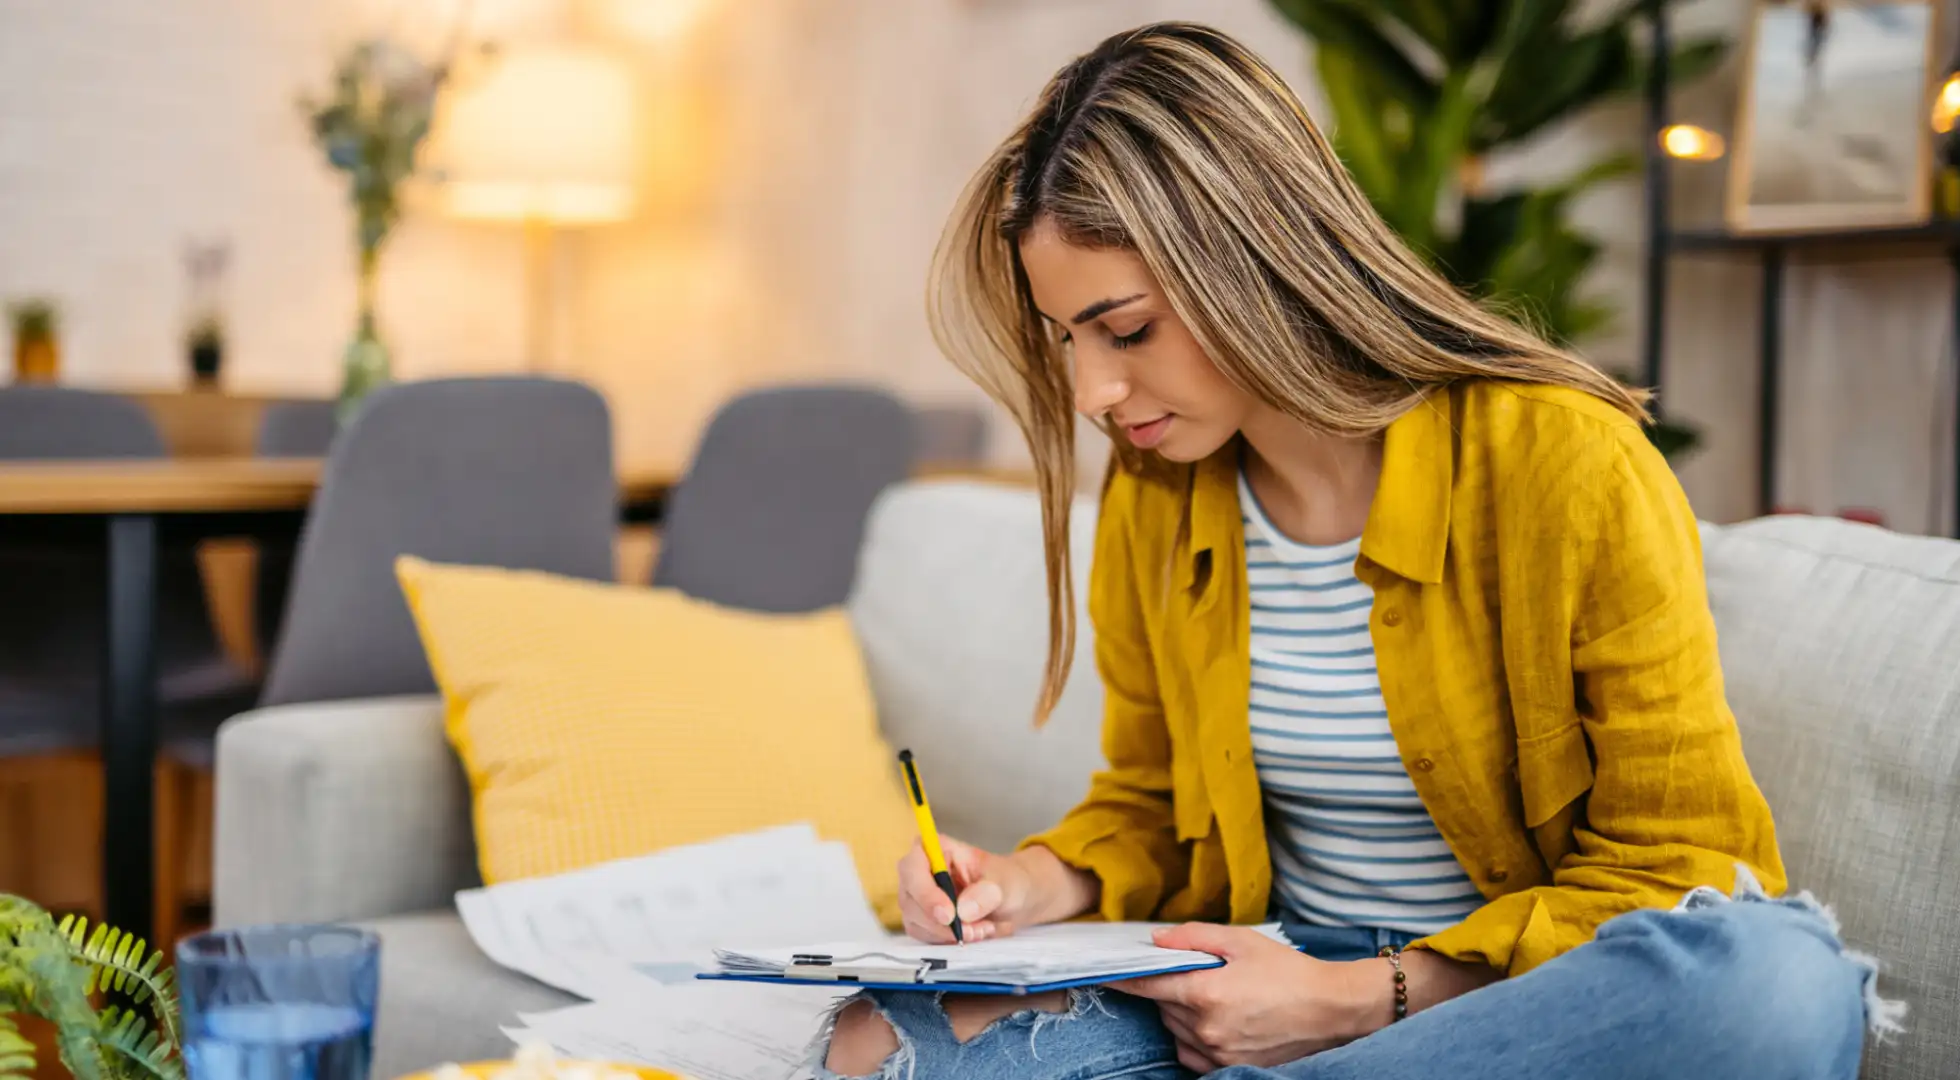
(540, 299)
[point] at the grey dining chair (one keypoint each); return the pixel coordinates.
(51, 423)
(771, 514)
(51, 638)
(287, 429)
(511, 472)
(952, 435)
(303, 429)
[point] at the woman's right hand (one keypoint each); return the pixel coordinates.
(996, 893)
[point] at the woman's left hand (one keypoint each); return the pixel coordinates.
(1268, 1005)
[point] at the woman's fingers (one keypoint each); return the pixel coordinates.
(1178, 1021)
(979, 900)
(968, 863)
(1181, 1021)
(919, 930)
(928, 911)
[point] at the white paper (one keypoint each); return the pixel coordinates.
(1059, 952)
(703, 1030)
(614, 929)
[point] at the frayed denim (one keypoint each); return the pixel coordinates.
(1721, 986)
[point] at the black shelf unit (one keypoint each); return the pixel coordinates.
(1771, 249)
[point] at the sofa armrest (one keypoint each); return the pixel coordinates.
(328, 812)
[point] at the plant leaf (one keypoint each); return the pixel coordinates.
(1351, 28)
(1441, 147)
(16, 1051)
(1675, 441)
(143, 1052)
(1692, 60)
(1489, 227)
(1358, 135)
(1550, 79)
(123, 962)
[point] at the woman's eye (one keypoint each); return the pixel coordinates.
(1129, 340)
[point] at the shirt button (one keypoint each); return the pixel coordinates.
(1423, 764)
(1499, 875)
(1392, 617)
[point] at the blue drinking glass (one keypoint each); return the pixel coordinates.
(279, 1002)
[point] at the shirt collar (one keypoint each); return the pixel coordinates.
(1217, 522)
(1408, 530)
(1408, 526)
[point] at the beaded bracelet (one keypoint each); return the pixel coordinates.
(1394, 957)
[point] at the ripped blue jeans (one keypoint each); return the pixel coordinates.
(1761, 988)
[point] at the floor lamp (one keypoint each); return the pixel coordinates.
(543, 136)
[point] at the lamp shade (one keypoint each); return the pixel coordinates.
(546, 133)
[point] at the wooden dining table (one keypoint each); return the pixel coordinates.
(128, 509)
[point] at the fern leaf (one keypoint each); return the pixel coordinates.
(140, 1051)
(124, 963)
(16, 1051)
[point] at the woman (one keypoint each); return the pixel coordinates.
(1402, 633)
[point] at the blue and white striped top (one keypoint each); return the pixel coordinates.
(1352, 844)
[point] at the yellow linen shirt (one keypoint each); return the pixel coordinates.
(1546, 652)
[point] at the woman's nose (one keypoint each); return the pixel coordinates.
(1099, 386)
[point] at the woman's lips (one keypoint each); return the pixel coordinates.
(1145, 436)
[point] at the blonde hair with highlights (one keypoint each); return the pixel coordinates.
(1175, 142)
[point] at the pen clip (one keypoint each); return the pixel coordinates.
(816, 968)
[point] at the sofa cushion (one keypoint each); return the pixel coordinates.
(1841, 648)
(951, 611)
(442, 999)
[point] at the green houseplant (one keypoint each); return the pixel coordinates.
(52, 970)
(1423, 92)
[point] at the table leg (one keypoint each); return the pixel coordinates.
(1769, 357)
(129, 723)
(1954, 358)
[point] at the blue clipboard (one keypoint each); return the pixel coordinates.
(848, 979)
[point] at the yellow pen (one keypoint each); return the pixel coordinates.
(929, 839)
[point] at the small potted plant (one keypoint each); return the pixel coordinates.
(204, 334)
(205, 341)
(51, 970)
(37, 350)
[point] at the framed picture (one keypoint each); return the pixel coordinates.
(1834, 127)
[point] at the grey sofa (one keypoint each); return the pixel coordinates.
(1841, 646)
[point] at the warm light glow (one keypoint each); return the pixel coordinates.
(1946, 107)
(545, 133)
(653, 20)
(1691, 143)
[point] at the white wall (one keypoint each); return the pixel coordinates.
(806, 153)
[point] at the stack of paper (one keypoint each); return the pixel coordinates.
(708, 1031)
(612, 929)
(1031, 959)
(631, 935)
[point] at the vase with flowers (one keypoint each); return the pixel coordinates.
(369, 125)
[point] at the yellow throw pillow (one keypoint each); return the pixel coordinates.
(598, 722)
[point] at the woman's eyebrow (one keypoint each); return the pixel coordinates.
(1102, 307)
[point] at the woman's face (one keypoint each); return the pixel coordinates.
(1134, 359)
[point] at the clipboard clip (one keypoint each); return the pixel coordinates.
(863, 967)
